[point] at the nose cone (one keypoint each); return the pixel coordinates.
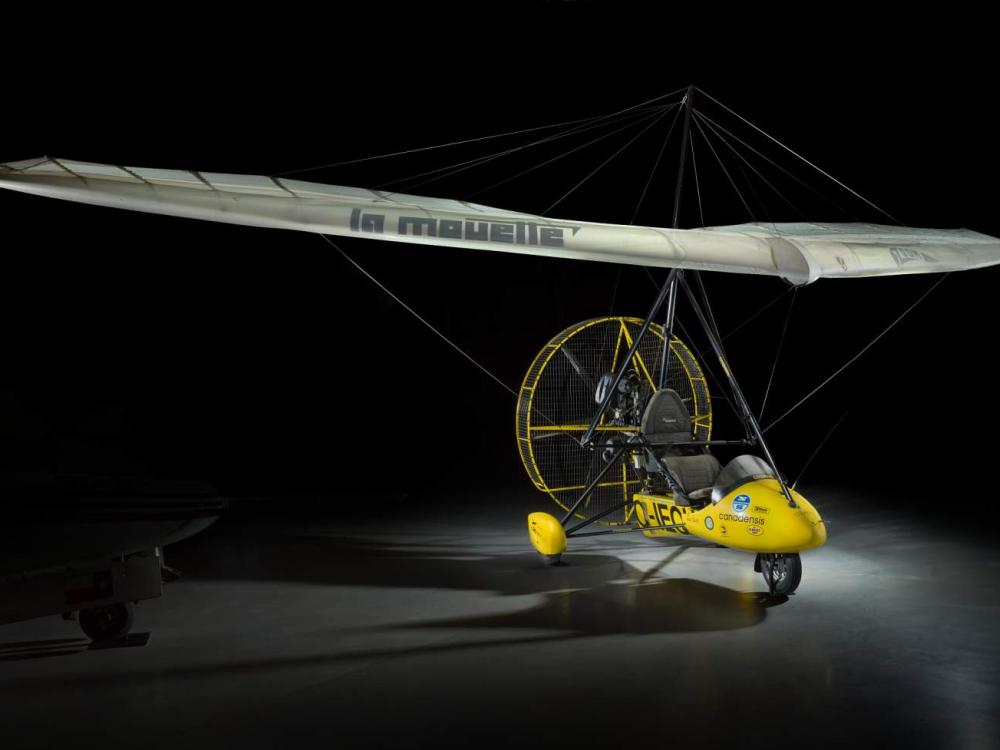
(757, 517)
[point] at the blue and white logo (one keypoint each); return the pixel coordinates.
(709, 523)
(741, 503)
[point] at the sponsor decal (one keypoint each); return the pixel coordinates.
(755, 520)
(755, 530)
(709, 523)
(512, 232)
(760, 509)
(741, 503)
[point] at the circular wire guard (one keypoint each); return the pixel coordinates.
(557, 401)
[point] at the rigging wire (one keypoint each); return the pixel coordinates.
(746, 180)
(704, 361)
(656, 165)
(777, 354)
(710, 371)
(434, 330)
(799, 180)
(799, 156)
(819, 447)
(697, 184)
(480, 160)
(430, 326)
(760, 201)
(754, 169)
(417, 315)
(709, 313)
(703, 292)
(603, 164)
(561, 155)
(475, 140)
(774, 299)
(614, 291)
(701, 353)
(853, 359)
(724, 170)
(589, 124)
(638, 204)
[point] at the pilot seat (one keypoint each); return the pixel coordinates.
(674, 458)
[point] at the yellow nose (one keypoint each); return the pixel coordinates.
(819, 533)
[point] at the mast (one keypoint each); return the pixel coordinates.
(688, 103)
(668, 326)
(706, 317)
(667, 293)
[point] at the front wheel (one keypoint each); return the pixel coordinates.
(782, 572)
(105, 624)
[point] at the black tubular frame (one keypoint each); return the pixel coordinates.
(593, 483)
(588, 437)
(668, 293)
(755, 434)
(748, 419)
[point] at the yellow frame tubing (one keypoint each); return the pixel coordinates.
(702, 407)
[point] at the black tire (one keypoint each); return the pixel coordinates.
(787, 572)
(109, 623)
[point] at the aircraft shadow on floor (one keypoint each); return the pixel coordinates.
(592, 594)
(44, 649)
(661, 606)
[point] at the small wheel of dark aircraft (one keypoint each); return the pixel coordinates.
(110, 623)
(782, 572)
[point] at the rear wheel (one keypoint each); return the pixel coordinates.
(782, 572)
(110, 623)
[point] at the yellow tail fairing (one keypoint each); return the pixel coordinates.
(547, 534)
(754, 517)
(556, 403)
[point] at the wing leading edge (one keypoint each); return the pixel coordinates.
(798, 253)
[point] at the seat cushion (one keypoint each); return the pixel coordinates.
(694, 472)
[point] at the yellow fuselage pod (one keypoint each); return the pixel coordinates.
(754, 517)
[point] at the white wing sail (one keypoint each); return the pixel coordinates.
(799, 253)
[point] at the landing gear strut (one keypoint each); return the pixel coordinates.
(782, 572)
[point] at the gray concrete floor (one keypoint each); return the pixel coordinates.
(443, 627)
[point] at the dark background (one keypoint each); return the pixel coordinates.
(261, 361)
